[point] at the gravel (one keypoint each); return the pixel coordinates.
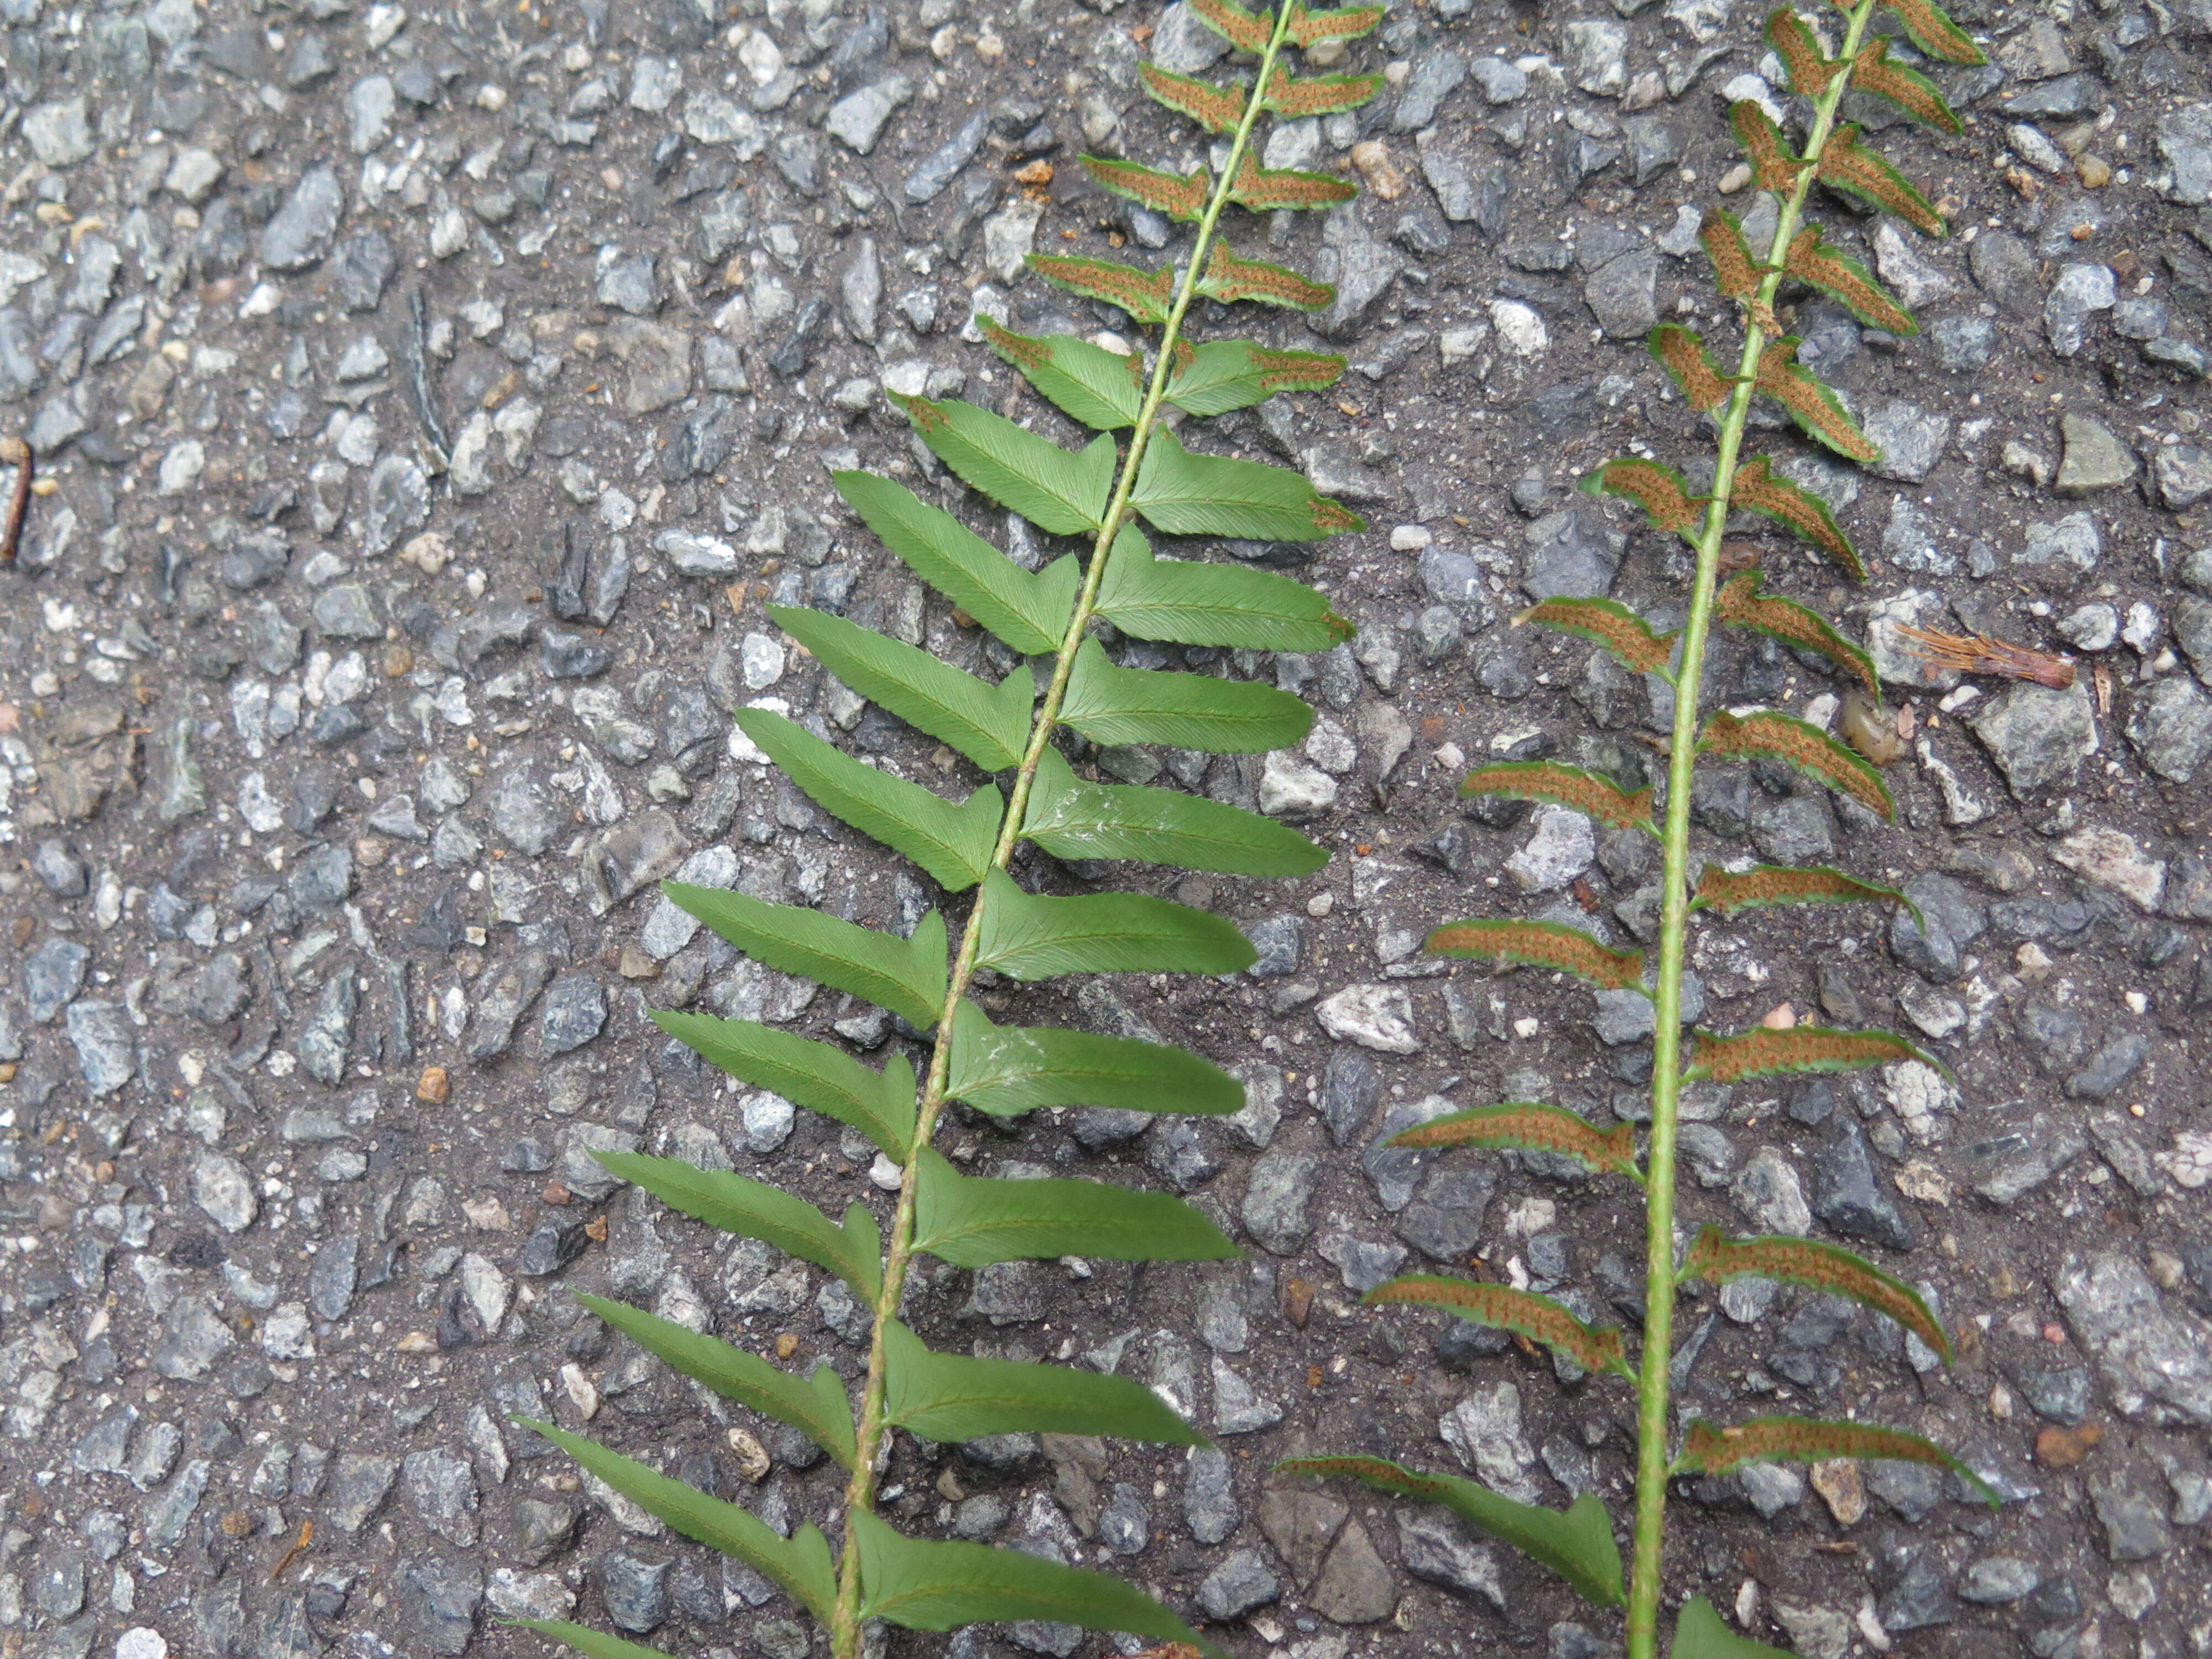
(432, 410)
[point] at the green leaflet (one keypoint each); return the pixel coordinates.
(1145, 294)
(1717, 1259)
(950, 1398)
(922, 1585)
(1104, 389)
(753, 1209)
(799, 1565)
(1801, 745)
(586, 1641)
(1004, 1069)
(816, 1405)
(1610, 623)
(905, 975)
(1111, 705)
(1808, 1440)
(1541, 944)
(1192, 494)
(1071, 819)
(1226, 375)
(987, 723)
(1764, 884)
(1030, 936)
(1216, 108)
(1180, 196)
(952, 843)
(1502, 1308)
(972, 1221)
(819, 1076)
(1530, 1126)
(1742, 604)
(1699, 1634)
(1062, 494)
(1192, 603)
(1578, 1546)
(1760, 1052)
(1028, 611)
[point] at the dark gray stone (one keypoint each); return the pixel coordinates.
(299, 233)
(1850, 1194)
(53, 973)
(575, 1010)
(1238, 1585)
(440, 1596)
(1572, 553)
(1954, 919)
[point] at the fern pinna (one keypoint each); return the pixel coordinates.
(1136, 469)
(1579, 1544)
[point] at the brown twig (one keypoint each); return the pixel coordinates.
(18, 450)
(1977, 654)
(299, 1547)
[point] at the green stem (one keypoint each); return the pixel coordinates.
(860, 1491)
(1652, 1381)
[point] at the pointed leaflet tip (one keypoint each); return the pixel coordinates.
(1935, 33)
(1145, 295)
(1182, 199)
(1541, 944)
(1215, 108)
(1850, 166)
(1716, 1450)
(1803, 514)
(1313, 29)
(1682, 354)
(1774, 169)
(1660, 491)
(1845, 279)
(1763, 1053)
(1265, 189)
(1817, 410)
(1578, 1546)
(1742, 604)
(1527, 1126)
(1238, 26)
(1610, 623)
(1564, 786)
(1717, 1259)
(1767, 884)
(1910, 90)
(1502, 1308)
(1735, 273)
(1229, 279)
(1809, 69)
(1800, 745)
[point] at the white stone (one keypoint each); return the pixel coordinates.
(288, 1333)
(1379, 1017)
(2112, 858)
(181, 466)
(224, 1190)
(1484, 1432)
(769, 1118)
(486, 1288)
(1561, 849)
(1330, 747)
(142, 1642)
(1520, 329)
(760, 661)
(1291, 788)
